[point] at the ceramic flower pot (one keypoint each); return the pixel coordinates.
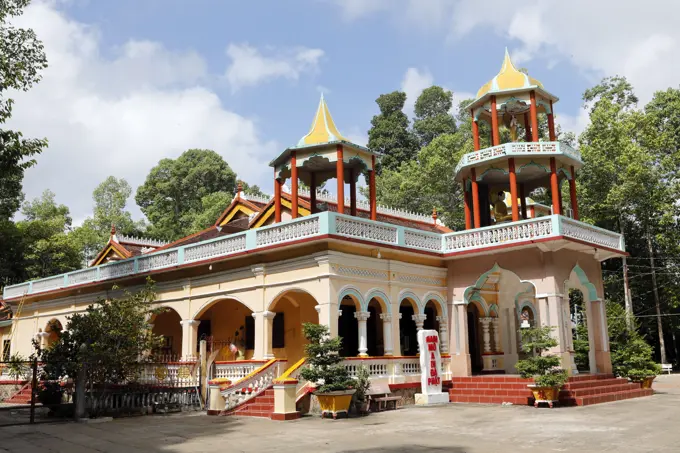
(548, 395)
(646, 383)
(335, 403)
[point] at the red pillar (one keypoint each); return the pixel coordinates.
(527, 128)
(371, 188)
(494, 123)
(277, 200)
(513, 189)
(551, 124)
(572, 193)
(475, 131)
(475, 199)
(554, 187)
(523, 201)
(312, 192)
(294, 185)
(340, 175)
(352, 193)
(534, 118)
(466, 202)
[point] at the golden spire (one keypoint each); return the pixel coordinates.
(508, 78)
(323, 128)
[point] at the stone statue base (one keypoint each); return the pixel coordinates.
(424, 399)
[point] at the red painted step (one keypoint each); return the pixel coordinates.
(259, 406)
(23, 396)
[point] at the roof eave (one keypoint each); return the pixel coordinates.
(286, 153)
(480, 100)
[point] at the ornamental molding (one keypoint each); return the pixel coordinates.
(420, 279)
(361, 272)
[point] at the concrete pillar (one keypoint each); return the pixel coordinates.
(362, 317)
(460, 358)
(387, 332)
(443, 334)
(264, 324)
(419, 320)
(328, 316)
(189, 338)
(558, 318)
(284, 400)
(42, 339)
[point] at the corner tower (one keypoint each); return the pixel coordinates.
(524, 162)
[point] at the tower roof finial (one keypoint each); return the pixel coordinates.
(323, 128)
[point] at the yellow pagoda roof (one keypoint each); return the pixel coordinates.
(509, 78)
(323, 128)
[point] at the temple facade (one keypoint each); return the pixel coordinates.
(373, 274)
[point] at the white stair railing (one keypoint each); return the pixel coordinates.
(252, 385)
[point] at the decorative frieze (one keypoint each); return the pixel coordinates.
(361, 272)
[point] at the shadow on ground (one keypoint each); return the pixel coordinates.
(407, 448)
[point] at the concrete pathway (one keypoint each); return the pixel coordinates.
(637, 425)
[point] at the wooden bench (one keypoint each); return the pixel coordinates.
(380, 398)
(666, 367)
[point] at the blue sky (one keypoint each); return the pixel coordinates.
(131, 82)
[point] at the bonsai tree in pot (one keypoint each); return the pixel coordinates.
(543, 368)
(635, 362)
(362, 386)
(335, 387)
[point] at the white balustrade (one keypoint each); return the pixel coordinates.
(518, 148)
(115, 270)
(157, 260)
(235, 371)
(220, 247)
(47, 284)
(16, 290)
(82, 276)
(423, 240)
(410, 366)
(589, 233)
(365, 229)
(251, 386)
(288, 231)
(540, 227)
(377, 368)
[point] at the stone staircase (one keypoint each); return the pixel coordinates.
(581, 390)
(261, 405)
(23, 396)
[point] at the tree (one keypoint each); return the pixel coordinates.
(21, 60)
(212, 205)
(171, 197)
(324, 363)
(109, 337)
(389, 133)
(432, 117)
(48, 247)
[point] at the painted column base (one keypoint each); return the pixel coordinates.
(493, 362)
(216, 400)
(424, 399)
(285, 391)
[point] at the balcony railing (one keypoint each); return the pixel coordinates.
(330, 224)
(518, 149)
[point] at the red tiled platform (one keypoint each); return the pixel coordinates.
(260, 406)
(581, 390)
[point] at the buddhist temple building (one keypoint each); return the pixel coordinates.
(238, 292)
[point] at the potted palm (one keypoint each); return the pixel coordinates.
(543, 368)
(323, 367)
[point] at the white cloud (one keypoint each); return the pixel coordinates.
(413, 83)
(249, 67)
(640, 40)
(120, 116)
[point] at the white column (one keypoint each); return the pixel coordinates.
(497, 347)
(486, 335)
(43, 336)
(419, 320)
(387, 332)
(189, 338)
(443, 334)
(362, 317)
(328, 315)
(592, 357)
(263, 335)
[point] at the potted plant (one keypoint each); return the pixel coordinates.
(636, 362)
(543, 368)
(362, 385)
(335, 387)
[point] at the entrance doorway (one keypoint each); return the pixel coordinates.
(474, 339)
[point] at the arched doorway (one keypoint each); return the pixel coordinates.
(292, 309)
(167, 325)
(474, 312)
(408, 331)
(225, 322)
(579, 330)
(348, 327)
(374, 328)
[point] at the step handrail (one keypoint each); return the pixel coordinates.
(252, 385)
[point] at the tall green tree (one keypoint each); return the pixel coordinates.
(389, 133)
(171, 197)
(21, 60)
(48, 247)
(432, 115)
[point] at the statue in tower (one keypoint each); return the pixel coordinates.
(500, 209)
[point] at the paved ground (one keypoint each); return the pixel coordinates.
(637, 425)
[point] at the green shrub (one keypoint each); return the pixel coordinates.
(324, 366)
(634, 360)
(544, 368)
